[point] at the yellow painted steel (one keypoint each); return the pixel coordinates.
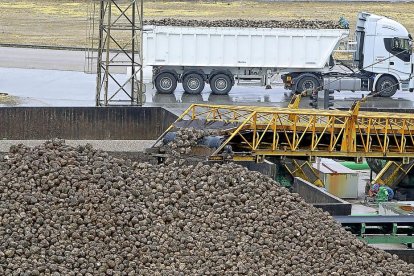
(264, 131)
(393, 173)
(304, 170)
(295, 101)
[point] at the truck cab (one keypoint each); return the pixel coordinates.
(384, 51)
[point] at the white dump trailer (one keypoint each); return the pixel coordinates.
(217, 55)
(240, 47)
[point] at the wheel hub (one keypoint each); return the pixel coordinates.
(166, 83)
(221, 84)
(308, 85)
(194, 84)
(386, 86)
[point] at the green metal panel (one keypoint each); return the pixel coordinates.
(387, 239)
(355, 166)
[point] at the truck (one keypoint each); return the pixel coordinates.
(382, 59)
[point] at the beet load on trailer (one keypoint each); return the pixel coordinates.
(195, 56)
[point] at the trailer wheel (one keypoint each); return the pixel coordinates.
(165, 83)
(193, 83)
(307, 83)
(386, 86)
(221, 84)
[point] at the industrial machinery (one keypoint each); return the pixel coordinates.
(250, 133)
(296, 136)
(380, 229)
(395, 174)
(382, 57)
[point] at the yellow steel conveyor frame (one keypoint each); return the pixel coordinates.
(270, 131)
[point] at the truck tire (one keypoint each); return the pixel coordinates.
(221, 84)
(386, 86)
(165, 83)
(307, 83)
(193, 83)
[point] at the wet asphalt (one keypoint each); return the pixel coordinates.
(27, 81)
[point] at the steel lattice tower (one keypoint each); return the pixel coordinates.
(119, 48)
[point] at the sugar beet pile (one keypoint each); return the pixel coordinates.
(245, 23)
(184, 140)
(66, 210)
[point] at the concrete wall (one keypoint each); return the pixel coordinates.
(267, 168)
(82, 123)
(321, 199)
(313, 194)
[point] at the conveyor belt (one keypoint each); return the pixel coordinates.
(254, 132)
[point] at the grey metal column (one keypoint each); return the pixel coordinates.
(119, 53)
(328, 99)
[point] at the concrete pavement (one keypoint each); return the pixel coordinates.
(32, 58)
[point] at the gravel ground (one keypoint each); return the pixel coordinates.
(79, 211)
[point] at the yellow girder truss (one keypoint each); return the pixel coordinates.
(264, 131)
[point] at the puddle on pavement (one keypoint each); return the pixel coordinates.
(35, 87)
